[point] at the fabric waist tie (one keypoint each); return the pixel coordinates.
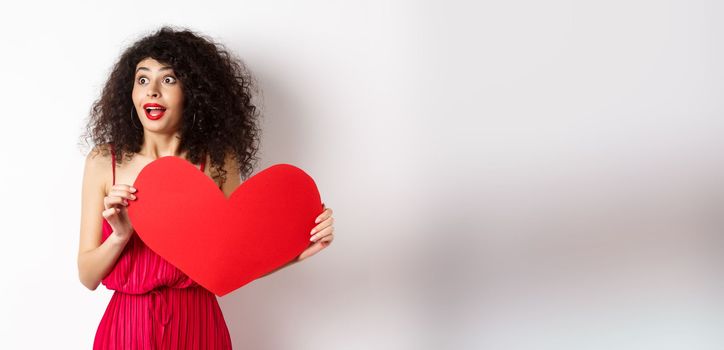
(160, 312)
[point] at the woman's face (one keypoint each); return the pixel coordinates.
(157, 97)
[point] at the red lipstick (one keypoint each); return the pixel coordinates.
(154, 111)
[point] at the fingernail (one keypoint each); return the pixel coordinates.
(133, 189)
(133, 197)
(311, 233)
(313, 239)
(316, 221)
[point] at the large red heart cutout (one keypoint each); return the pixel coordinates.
(223, 244)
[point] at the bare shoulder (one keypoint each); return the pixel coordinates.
(98, 168)
(99, 152)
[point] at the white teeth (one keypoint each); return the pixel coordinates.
(155, 108)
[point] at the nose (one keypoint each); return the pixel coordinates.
(152, 90)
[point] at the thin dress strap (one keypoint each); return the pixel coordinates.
(113, 158)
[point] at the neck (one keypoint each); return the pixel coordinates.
(160, 145)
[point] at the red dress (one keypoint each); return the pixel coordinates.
(155, 305)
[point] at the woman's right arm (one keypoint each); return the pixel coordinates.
(95, 260)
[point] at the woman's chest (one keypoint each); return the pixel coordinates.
(127, 172)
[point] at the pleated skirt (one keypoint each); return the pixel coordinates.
(165, 318)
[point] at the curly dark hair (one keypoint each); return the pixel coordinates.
(217, 89)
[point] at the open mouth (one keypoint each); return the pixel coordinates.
(154, 111)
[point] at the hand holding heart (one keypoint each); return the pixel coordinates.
(115, 211)
(223, 243)
(322, 234)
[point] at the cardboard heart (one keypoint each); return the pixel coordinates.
(223, 244)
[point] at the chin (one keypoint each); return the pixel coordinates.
(160, 127)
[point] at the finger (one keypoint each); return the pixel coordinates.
(114, 201)
(325, 223)
(327, 231)
(108, 202)
(124, 187)
(123, 194)
(326, 240)
(325, 214)
(110, 212)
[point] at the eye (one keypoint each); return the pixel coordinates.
(141, 79)
(170, 80)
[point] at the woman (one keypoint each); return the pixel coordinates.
(171, 93)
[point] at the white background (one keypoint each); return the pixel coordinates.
(504, 175)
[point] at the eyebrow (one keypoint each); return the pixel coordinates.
(144, 68)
